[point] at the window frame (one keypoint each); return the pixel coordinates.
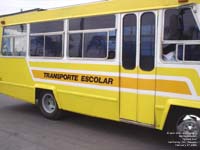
(108, 30)
(91, 31)
(44, 35)
(178, 42)
(12, 37)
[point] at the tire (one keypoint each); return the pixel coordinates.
(185, 129)
(48, 106)
(188, 127)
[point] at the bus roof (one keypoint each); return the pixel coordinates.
(91, 9)
(22, 12)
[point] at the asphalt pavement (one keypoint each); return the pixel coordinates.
(22, 127)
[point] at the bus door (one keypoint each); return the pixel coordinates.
(137, 76)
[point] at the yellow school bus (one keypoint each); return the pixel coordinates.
(130, 61)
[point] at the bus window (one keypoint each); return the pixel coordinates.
(129, 41)
(92, 37)
(180, 26)
(97, 22)
(53, 46)
(95, 45)
(46, 39)
(112, 45)
(192, 53)
(14, 42)
(75, 45)
(147, 44)
(20, 46)
(37, 46)
(45, 27)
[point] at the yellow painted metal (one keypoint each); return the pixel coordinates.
(1, 33)
(190, 73)
(15, 79)
(75, 66)
(162, 110)
(146, 103)
(98, 8)
(128, 101)
(163, 103)
(97, 103)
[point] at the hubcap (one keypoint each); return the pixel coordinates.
(48, 103)
(189, 126)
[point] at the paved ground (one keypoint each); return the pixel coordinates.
(23, 128)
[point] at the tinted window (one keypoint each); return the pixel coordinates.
(180, 25)
(129, 41)
(97, 22)
(95, 45)
(37, 46)
(75, 45)
(147, 46)
(112, 44)
(54, 26)
(15, 30)
(53, 45)
(180, 52)
(192, 52)
(6, 47)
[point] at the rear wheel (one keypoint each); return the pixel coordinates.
(48, 106)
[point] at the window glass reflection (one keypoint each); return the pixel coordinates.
(180, 25)
(15, 30)
(75, 45)
(147, 46)
(95, 45)
(20, 46)
(129, 41)
(97, 22)
(6, 47)
(37, 46)
(43, 27)
(53, 46)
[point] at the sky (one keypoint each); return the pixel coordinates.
(12, 6)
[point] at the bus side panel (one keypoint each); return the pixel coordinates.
(80, 95)
(92, 102)
(176, 86)
(15, 79)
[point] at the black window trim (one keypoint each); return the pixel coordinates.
(155, 38)
(137, 28)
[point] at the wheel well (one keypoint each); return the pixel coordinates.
(177, 111)
(38, 93)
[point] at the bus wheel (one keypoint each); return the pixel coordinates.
(188, 127)
(49, 107)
